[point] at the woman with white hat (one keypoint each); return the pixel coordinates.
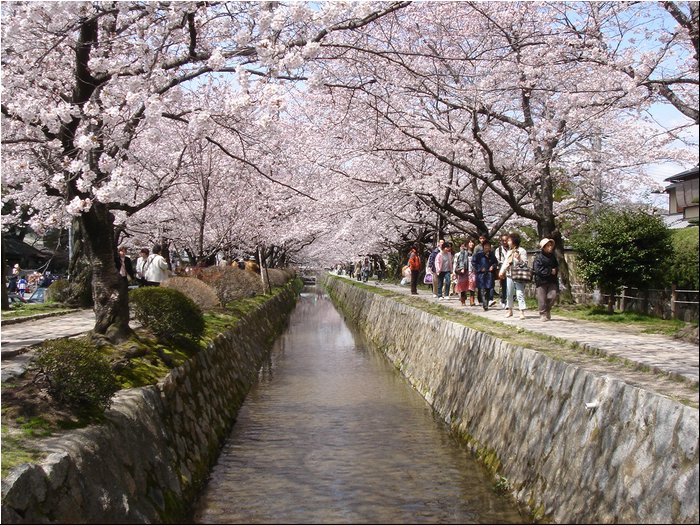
(546, 272)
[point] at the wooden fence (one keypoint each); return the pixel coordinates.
(669, 303)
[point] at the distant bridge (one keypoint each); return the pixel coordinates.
(309, 279)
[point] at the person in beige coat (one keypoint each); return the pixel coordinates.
(515, 255)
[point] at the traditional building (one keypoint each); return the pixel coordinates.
(683, 208)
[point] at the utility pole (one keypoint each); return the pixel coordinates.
(264, 275)
(597, 144)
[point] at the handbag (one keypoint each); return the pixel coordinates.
(521, 273)
(428, 279)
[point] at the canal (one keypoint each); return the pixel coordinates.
(332, 433)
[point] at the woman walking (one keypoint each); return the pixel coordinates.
(443, 266)
(546, 270)
(462, 267)
(515, 256)
(485, 265)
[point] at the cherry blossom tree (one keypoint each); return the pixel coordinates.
(499, 94)
(91, 88)
(328, 130)
(656, 45)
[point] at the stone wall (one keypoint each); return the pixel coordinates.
(149, 460)
(633, 459)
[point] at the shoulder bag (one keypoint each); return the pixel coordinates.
(521, 272)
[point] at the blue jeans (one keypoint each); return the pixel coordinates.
(519, 293)
(443, 280)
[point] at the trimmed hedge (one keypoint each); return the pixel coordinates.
(78, 375)
(201, 293)
(167, 312)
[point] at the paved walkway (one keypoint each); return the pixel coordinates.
(658, 352)
(16, 338)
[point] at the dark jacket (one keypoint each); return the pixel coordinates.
(431, 259)
(481, 264)
(127, 265)
(542, 269)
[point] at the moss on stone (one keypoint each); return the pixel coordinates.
(562, 350)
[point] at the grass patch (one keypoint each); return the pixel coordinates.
(16, 450)
(28, 309)
(645, 323)
(34, 427)
(243, 307)
(145, 361)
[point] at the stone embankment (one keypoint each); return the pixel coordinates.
(149, 459)
(572, 445)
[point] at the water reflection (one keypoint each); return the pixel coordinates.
(332, 433)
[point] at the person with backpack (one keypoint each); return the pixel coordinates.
(415, 265)
(155, 269)
(431, 265)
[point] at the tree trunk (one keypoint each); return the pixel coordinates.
(611, 301)
(566, 294)
(5, 298)
(79, 270)
(109, 290)
(547, 228)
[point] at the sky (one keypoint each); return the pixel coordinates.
(669, 117)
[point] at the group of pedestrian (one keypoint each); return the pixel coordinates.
(24, 283)
(151, 268)
(363, 269)
(17, 282)
(477, 267)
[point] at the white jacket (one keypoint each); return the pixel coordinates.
(508, 263)
(155, 269)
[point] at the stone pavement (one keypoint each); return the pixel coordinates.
(658, 352)
(16, 338)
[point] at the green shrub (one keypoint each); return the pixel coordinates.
(623, 248)
(77, 374)
(58, 291)
(684, 270)
(166, 312)
(201, 293)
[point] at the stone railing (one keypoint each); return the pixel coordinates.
(149, 460)
(573, 446)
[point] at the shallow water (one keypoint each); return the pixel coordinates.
(332, 433)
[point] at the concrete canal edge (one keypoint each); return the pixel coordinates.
(631, 456)
(149, 460)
